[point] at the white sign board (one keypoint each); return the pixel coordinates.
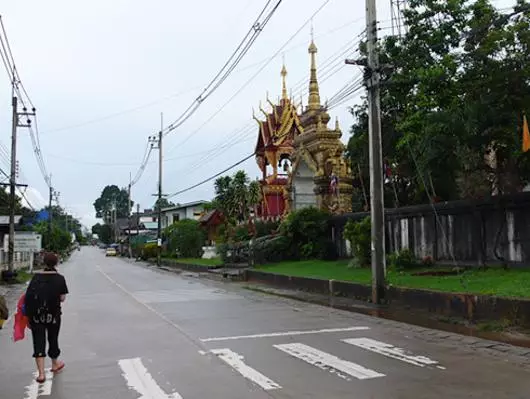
(25, 241)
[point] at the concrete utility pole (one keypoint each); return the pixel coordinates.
(160, 158)
(12, 186)
(50, 213)
(158, 142)
(129, 215)
(16, 122)
(377, 211)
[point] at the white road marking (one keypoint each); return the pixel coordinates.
(235, 360)
(139, 379)
(284, 334)
(35, 390)
(325, 361)
(391, 351)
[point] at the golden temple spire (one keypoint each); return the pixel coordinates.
(284, 82)
(314, 92)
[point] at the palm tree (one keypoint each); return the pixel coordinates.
(254, 196)
(240, 195)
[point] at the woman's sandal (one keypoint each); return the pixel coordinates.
(61, 366)
(40, 380)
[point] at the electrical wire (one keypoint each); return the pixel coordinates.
(254, 32)
(212, 177)
(219, 110)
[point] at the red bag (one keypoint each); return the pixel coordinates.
(21, 321)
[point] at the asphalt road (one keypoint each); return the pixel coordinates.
(132, 332)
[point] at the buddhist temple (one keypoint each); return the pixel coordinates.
(274, 149)
(300, 157)
(320, 175)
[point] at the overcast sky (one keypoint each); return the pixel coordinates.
(101, 72)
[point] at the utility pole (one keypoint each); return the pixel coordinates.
(377, 211)
(138, 220)
(12, 186)
(129, 215)
(16, 122)
(50, 213)
(158, 141)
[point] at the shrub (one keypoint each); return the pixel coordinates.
(241, 233)
(186, 238)
(307, 233)
(402, 260)
(266, 228)
(269, 249)
(359, 233)
(149, 251)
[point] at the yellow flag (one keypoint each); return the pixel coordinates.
(526, 135)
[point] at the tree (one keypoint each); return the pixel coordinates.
(164, 203)
(113, 196)
(185, 238)
(58, 241)
(104, 232)
(454, 94)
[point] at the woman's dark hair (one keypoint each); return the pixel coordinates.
(50, 260)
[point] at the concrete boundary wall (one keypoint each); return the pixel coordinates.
(490, 231)
(468, 306)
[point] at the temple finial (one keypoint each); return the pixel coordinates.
(284, 82)
(314, 92)
(337, 127)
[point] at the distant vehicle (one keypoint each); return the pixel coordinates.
(111, 252)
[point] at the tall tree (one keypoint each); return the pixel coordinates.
(453, 95)
(113, 196)
(163, 203)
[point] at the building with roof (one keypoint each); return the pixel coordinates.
(191, 210)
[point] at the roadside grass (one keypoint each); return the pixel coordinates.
(492, 281)
(198, 261)
(23, 276)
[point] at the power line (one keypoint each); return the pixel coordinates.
(212, 177)
(241, 50)
(219, 110)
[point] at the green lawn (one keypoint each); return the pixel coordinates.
(510, 283)
(200, 261)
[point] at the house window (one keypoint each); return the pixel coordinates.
(176, 217)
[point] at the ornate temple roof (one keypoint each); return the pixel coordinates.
(280, 125)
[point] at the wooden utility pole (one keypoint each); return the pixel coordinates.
(377, 210)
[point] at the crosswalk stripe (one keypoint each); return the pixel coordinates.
(35, 390)
(285, 334)
(235, 361)
(326, 361)
(139, 379)
(391, 351)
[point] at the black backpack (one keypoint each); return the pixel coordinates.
(39, 301)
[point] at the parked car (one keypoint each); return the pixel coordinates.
(111, 252)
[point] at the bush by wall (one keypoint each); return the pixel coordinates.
(307, 234)
(185, 239)
(359, 233)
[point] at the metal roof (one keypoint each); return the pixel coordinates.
(5, 219)
(183, 206)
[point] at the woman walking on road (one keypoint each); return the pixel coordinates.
(44, 295)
